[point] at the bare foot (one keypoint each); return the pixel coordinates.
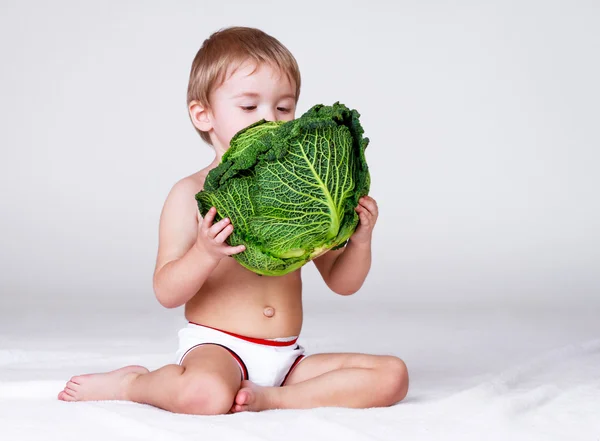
(252, 398)
(97, 387)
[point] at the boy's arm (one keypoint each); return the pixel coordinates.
(346, 269)
(187, 251)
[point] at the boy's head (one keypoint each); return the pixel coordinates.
(239, 76)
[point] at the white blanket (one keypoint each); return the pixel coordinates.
(474, 375)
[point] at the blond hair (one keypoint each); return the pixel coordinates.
(231, 45)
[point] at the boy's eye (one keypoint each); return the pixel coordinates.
(283, 109)
(248, 108)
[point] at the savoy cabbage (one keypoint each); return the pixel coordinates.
(290, 188)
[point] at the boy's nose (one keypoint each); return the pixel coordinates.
(270, 115)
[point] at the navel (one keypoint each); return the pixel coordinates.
(269, 311)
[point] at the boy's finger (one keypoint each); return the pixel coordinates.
(362, 209)
(366, 198)
(209, 218)
(370, 205)
(235, 250)
(224, 234)
(218, 227)
(369, 212)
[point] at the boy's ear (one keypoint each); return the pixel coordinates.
(200, 116)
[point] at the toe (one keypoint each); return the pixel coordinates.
(72, 385)
(241, 398)
(63, 396)
(70, 391)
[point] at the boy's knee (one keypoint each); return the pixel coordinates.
(204, 394)
(397, 374)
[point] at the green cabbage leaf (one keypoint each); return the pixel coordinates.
(290, 188)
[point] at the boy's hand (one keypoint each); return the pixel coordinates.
(211, 238)
(367, 212)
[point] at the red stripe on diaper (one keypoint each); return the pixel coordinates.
(260, 341)
(233, 354)
(294, 364)
(240, 362)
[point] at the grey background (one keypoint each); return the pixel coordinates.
(483, 119)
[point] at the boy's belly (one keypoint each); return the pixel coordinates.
(235, 299)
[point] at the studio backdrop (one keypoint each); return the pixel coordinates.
(483, 121)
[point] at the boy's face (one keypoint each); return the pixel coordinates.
(252, 93)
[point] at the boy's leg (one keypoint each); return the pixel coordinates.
(205, 384)
(341, 380)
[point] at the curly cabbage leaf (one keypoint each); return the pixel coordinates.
(290, 188)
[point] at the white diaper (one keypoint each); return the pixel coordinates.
(266, 362)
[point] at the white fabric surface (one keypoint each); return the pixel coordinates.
(474, 375)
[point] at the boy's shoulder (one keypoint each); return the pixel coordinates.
(192, 183)
(182, 194)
